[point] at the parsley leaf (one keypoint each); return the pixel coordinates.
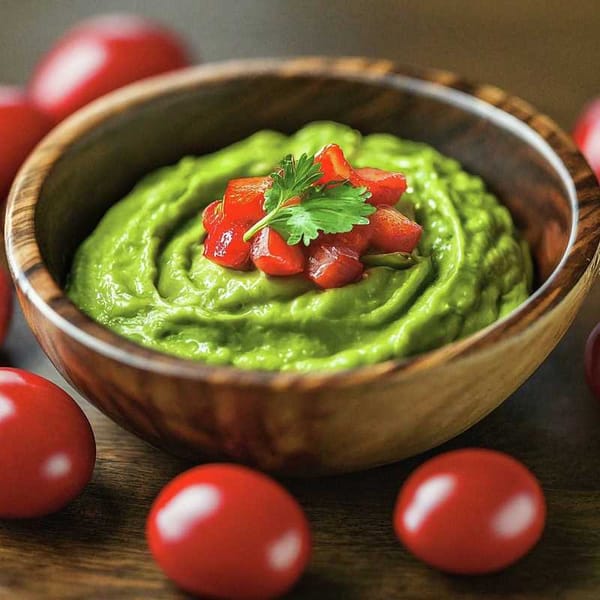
(291, 179)
(331, 208)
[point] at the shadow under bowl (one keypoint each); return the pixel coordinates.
(317, 422)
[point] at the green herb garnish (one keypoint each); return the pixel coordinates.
(335, 207)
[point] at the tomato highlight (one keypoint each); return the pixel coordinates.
(224, 244)
(226, 531)
(470, 511)
(100, 55)
(47, 448)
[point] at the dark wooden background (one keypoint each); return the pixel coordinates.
(546, 51)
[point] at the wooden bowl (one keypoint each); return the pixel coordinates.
(318, 422)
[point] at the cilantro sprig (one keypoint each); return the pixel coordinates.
(334, 207)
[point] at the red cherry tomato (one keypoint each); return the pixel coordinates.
(100, 55)
(587, 134)
(212, 215)
(274, 256)
(22, 126)
(385, 187)
(333, 266)
(470, 511)
(47, 448)
(244, 198)
(225, 531)
(592, 360)
(6, 303)
(391, 231)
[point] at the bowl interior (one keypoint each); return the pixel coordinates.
(105, 161)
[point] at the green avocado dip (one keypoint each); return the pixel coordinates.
(142, 274)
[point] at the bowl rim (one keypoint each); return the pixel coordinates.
(34, 281)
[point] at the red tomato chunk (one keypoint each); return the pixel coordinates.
(391, 231)
(224, 244)
(333, 266)
(274, 256)
(244, 198)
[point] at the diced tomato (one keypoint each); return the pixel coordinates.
(385, 187)
(333, 163)
(274, 256)
(244, 198)
(391, 231)
(212, 214)
(224, 244)
(333, 266)
(358, 239)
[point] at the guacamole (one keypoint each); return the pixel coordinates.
(142, 274)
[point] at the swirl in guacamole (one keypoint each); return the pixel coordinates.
(142, 272)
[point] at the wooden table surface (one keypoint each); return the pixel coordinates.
(96, 548)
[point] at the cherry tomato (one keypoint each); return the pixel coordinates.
(385, 187)
(587, 134)
(224, 244)
(592, 360)
(244, 198)
(6, 303)
(225, 531)
(470, 511)
(212, 214)
(47, 448)
(333, 266)
(22, 126)
(391, 231)
(274, 256)
(100, 55)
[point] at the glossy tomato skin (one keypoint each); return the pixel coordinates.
(385, 187)
(100, 55)
(358, 239)
(224, 244)
(587, 134)
(226, 531)
(22, 126)
(470, 511)
(274, 256)
(333, 164)
(391, 231)
(333, 266)
(47, 448)
(592, 361)
(212, 215)
(244, 198)
(6, 303)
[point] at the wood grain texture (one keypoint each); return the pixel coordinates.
(313, 423)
